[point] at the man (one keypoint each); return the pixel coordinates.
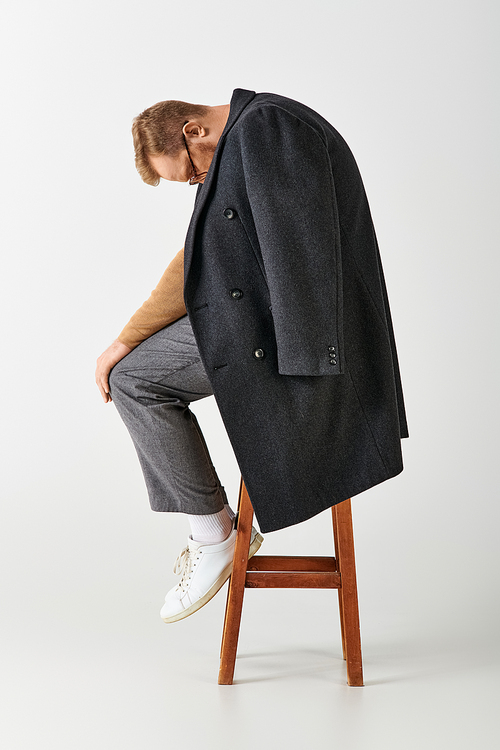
(287, 324)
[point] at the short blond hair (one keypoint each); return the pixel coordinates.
(158, 131)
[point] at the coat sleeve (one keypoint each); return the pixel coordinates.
(289, 183)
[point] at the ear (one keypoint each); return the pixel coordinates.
(194, 129)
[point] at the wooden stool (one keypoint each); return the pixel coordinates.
(263, 571)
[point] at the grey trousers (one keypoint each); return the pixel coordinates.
(152, 388)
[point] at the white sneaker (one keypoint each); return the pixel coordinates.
(204, 569)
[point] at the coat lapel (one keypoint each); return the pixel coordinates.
(239, 100)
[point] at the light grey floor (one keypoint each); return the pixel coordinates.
(88, 664)
(141, 684)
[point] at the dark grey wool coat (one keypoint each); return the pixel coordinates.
(285, 292)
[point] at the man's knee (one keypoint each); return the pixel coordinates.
(117, 380)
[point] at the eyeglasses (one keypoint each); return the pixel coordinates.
(196, 177)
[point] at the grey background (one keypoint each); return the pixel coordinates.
(86, 661)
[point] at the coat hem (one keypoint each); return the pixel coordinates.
(324, 504)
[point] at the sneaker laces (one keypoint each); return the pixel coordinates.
(184, 565)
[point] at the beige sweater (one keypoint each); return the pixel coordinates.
(165, 304)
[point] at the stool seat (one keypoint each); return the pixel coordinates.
(281, 571)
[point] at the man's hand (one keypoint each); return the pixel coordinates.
(105, 363)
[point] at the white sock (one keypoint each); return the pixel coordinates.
(230, 511)
(212, 528)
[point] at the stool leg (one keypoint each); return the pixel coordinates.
(236, 589)
(348, 594)
(341, 609)
(225, 627)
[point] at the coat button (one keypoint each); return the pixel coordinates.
(258, 353)
(236, 293)
(229, 213)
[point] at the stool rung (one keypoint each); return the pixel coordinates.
(294, 572)
(295, 564)
(259, 579)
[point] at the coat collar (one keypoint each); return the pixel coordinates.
(239, 100)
